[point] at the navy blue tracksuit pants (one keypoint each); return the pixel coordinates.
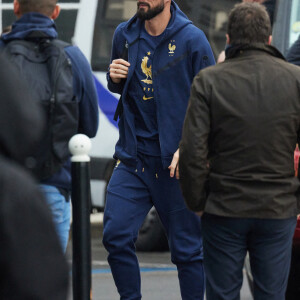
(130, 195)
(226, 242)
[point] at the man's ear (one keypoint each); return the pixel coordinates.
(227, 39)
(17, 11)
(55, 13)
(270, 40)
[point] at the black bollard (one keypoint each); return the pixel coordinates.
(79, 146)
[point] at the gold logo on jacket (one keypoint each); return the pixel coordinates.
(172, 48)
(117, 163)
(146, 70)
(147, 98)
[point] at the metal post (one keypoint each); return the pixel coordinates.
(79, 146)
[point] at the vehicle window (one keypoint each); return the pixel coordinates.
(212, 18)
(295, 22)
(120, 10)
(8, 18)
(65, 22)
(209, 16)
(109, 15)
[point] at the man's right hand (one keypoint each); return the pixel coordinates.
(118, 70)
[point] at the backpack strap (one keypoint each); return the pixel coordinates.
(54, 73)
(60, 44)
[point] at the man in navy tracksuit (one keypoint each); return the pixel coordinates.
(38, 15)
(165, 52)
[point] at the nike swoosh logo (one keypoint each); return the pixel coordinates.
(144, 98)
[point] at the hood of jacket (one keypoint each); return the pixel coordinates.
(178, 21)
(28, 23)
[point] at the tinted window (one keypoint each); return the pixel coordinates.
(109, 14)
(210, 16)
(8, 17)
(295, 22)
(65, 24)
(286, 24)
(120, 10)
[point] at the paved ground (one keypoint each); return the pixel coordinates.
(159, 276)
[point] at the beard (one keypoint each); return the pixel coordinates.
(151, 12)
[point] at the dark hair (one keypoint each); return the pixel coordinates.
(45, 7)
(249, 23)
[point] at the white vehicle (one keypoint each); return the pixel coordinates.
(90, 25)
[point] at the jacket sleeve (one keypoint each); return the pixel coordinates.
(202, 55)
(193, 149)
(117, 48)
(85, 90)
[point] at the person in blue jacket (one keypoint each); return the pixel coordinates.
(38, 15)
(165, 52)
(293, 55)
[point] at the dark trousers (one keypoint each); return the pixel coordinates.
(130, 195)
(226, 242)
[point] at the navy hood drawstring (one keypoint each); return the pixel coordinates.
(157, 165)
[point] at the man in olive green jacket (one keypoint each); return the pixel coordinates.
(236, 159)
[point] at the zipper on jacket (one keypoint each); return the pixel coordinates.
(125, 91)
(156, 100)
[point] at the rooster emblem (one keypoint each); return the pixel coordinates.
(146, 70)
(171, 48)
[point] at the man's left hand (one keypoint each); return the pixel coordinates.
(199, 213)
(174, 167)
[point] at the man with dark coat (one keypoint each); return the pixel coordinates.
(237, 159)
(32, 263)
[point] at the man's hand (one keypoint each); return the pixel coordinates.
(174, 167)
(118, 70)
(199, 213)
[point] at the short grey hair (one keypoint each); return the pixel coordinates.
(249, 23)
